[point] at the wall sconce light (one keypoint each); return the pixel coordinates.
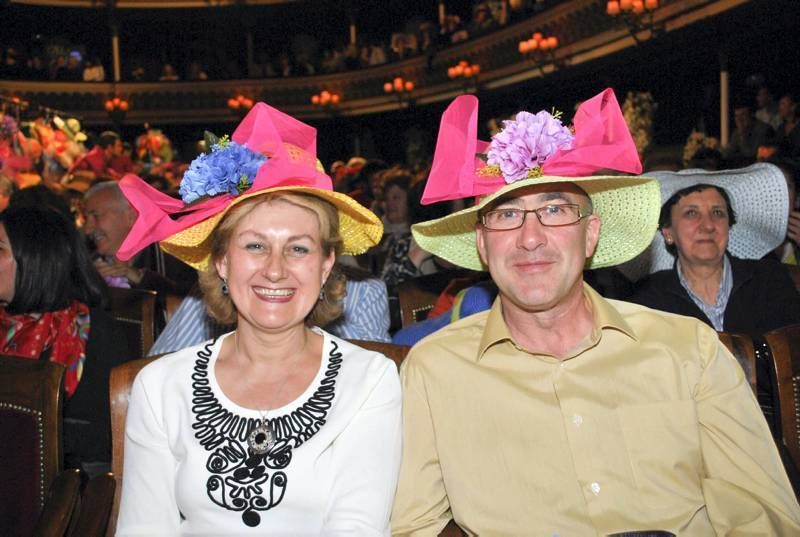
(116, 104)
(467, 73)
(326, 98)
(400, 88)
(541, 50)
(637, 16)
(240, 103)
(464, 69)
(117, 108)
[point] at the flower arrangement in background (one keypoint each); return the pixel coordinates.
(229, 168)
(638, 110)
(698, 142)
(153, 147)
(525, 142)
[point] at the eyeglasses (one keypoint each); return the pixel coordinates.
(561, 214)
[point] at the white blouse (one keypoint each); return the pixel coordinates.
(332, 471)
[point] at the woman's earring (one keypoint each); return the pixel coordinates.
(224, 286)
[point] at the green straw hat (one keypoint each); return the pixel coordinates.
(628, 208)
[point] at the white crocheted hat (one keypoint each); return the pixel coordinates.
(760, 200)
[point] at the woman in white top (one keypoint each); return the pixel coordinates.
(277, 428)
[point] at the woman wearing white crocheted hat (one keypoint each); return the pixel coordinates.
(706, 262)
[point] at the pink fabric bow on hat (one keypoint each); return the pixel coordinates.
(290, 146)
(602, 141)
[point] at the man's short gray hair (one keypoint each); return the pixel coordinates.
(113, 189)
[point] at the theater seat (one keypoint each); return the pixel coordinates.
(31, 399)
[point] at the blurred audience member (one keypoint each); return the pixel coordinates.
(196, 72)
(395, 204)
(93, 70)
(404, 258)
(482, 20)
(122, 163)
(109, 218)
(138, 73)
(168, 73)
(377, 54)
(788, 252)
(97, 161)
(73, 70)
(11, 67)
(36, 68)
(767, 110)
(788, 139)
(749, 134)
(454, 29)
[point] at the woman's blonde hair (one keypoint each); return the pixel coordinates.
(329, 307)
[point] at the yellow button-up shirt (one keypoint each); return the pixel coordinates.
(648, 424)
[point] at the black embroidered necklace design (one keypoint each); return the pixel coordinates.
(242, 480)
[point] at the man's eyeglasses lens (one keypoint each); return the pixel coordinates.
(562, 214)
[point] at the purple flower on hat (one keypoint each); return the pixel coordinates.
(526, 142)
(229, 168)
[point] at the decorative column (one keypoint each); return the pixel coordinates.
(724, 100)
(112, 18)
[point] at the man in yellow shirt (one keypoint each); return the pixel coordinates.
(558, 412)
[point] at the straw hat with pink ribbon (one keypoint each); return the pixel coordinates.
(535, 149)
(268, 152)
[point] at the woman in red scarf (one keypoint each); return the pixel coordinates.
(52, 307)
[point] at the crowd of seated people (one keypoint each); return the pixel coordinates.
(415, 38)
(71, 64)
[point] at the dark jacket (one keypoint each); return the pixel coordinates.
(164, 273)
(87, 418)
(763, 297)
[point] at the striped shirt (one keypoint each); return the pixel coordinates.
(716, 311)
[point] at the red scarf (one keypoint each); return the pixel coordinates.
(64, 333)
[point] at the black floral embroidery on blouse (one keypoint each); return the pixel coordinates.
(241, 480)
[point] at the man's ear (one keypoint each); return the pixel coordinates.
(480, 242)
(593, 225)
(130, 215)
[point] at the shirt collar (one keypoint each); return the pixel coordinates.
(606, 316)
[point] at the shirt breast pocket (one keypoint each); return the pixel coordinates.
(664, 451)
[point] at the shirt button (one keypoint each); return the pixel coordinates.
(577, 419)
(595, 488)
(563, 365)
